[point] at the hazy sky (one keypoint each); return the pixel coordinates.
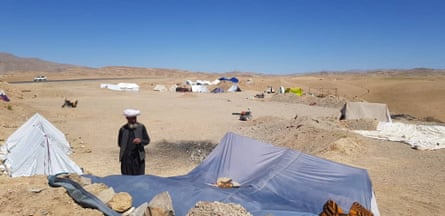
(273, 36)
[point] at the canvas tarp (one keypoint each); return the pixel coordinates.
(423, 137)
(38, 148)
(296, 91)
(274, 181)
(364, 110)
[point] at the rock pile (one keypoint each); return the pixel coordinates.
(217, 208)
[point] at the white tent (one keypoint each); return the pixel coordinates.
(38, 148)
(200, 89)
(160, 88)
(203, 82)
(121, 86)
(364, 110)
(233, 88)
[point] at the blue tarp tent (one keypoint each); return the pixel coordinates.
(274, 181)
(233, 79)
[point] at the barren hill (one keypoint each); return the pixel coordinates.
(10, 63)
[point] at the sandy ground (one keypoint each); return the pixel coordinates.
(184, 127)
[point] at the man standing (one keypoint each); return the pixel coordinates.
(132, 138)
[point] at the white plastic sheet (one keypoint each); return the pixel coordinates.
(424, 137)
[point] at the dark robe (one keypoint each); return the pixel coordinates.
(132, 156)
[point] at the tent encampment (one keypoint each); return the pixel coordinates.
(364, 110)
(38, 148)
(273, 181)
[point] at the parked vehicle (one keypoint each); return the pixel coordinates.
(40, 78)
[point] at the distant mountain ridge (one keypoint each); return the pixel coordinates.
(10, 63)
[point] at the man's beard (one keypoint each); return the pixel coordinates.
(132, 125)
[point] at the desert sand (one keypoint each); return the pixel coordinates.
(184, 127)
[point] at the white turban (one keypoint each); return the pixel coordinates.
(131, 112)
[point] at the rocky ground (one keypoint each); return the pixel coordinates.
(406, 181)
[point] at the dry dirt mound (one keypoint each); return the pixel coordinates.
(324, 137)
(33, 196)
(328, 101)
(343, 148)
(359, 124)
(305, 134)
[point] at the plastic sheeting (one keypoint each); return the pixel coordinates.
(80, 195)
(38, 147)
(296, 91)
(424, 137)
(274, 180)
(233, 79)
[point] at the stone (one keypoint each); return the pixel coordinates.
(121, 202)
(161, 205)
(106, 195)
